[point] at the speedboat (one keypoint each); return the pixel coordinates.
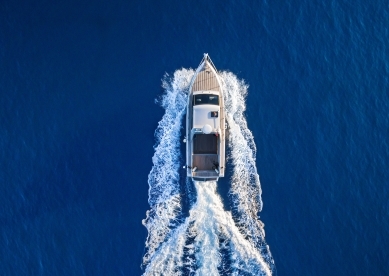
(205, 124)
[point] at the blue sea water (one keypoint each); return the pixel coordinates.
(78, 83)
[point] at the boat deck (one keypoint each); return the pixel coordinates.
(202, 175)
(205, 161)
(206, 81)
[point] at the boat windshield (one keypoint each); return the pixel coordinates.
(205, 99)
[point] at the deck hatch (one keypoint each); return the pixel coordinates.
(204, 144)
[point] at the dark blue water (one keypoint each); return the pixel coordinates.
(78, 81)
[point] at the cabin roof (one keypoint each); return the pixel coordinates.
(202, 116)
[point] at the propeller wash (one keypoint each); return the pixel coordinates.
(208, 240)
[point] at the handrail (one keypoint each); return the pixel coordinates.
(210, 61)
(207, 58)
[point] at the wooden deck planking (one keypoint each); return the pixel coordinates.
(204, 161)
(206, 81)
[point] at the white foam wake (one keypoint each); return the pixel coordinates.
(245, 185)
(209, 241)
(203, 233)
(164, 187)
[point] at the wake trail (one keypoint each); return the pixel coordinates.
(245, 189)
(208, 223)
(164, 187)
(194, 245)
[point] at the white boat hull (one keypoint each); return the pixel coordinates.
(205, 124)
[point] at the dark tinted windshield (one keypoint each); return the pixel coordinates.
(205, 99)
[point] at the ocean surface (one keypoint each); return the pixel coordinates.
(82, 85)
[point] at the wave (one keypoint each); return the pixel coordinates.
(209, 240)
